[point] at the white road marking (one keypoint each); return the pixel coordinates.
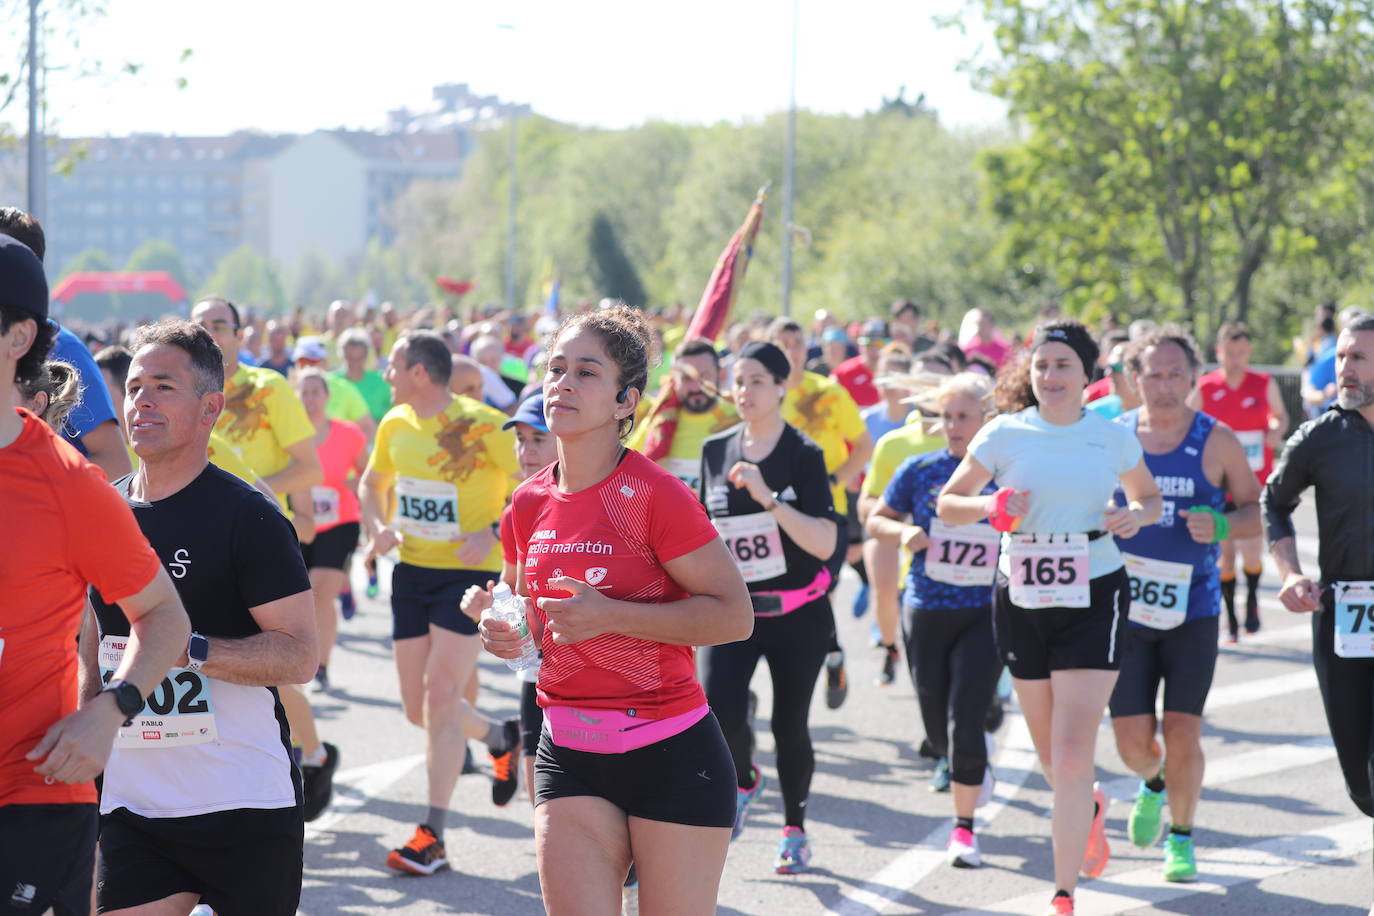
(1248, 765)
(1218, 869)
(355, 787)
(1013, 766)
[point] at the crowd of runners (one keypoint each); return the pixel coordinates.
(189, 502)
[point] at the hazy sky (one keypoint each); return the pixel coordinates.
(295, 65)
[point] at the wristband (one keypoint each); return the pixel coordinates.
(999, 517)
(1222, 524)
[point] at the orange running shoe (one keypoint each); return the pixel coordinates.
(1098, 853)
(423, 855)
(505, 767)
(1060, 906)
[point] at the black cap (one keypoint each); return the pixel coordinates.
(23, 285)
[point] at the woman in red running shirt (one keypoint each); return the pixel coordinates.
(624, 574)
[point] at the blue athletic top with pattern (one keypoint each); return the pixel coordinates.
(914, 489)
(1183, 485)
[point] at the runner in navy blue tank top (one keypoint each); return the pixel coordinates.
(1175, 593)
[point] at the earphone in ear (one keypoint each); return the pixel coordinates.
(623, 395)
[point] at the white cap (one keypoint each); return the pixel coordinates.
(501, 592)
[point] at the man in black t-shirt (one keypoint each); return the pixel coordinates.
(202, 801)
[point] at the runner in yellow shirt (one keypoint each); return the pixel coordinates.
(441, 470)
(824, 411)
(688, 410)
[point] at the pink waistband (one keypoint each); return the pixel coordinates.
(610, 731)
(788, 601)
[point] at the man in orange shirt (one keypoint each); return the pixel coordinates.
(66, 528)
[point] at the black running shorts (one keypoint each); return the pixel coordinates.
(421, 596)
(47, 857)
(1184, 658)
(686, 779)
(1035, 642)
(245, 862)
(331, 549)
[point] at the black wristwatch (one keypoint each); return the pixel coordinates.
(127, 698)
(197, 651)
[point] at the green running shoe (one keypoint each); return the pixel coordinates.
(1147, 821)
(1179, 864)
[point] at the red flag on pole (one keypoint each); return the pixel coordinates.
(708, 322)
(725, 281)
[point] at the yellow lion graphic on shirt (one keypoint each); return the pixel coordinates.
(246, 407)
(463, 448)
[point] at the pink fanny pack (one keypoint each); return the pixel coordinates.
(775, 604)
(610, 731)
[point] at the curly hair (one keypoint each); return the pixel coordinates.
(628, 341)
(62, 385)
(1014, 391)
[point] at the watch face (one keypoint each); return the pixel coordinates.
(199, 648)
(129, 699)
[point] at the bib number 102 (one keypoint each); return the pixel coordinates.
(1048, 570)
(181, 693)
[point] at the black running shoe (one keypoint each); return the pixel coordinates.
(423, 855)
(889, 671)
(836, 683)
(505, 767)
(319, 782)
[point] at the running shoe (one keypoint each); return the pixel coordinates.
(794, 853)
(371, 567)
(1252, 621)
(505, 767)
(962, 851)
(939, 780)
(836, 684)
(322, 679)
(743, 799)
(1179, 863)
(1097, 853)
(1060, 906)
(318, 782)
(889, 671)
(347, 606)
(860, 606)
(423, 855)
(1146, 822)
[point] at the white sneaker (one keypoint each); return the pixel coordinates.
(962, 851)
(629, 901)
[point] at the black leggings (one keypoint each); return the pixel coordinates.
(954, 665)
(794, 646)
(1347, 687)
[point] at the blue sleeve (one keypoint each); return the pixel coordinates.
(901, 490)
(95, 406)
(1323, 372)
(248, 359)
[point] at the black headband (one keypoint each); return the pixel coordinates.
(772, 358)
(1079, 342)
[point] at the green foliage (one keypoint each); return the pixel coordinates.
(1174, 148)
(245, 277)
(611, 268)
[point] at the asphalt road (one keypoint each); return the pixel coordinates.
(1276, 833)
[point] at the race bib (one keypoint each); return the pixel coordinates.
(1159, 591)
(427, 509)
(687, 470)
(1253, 442)
(326, 500)
(962, 554)
(1354, 619)
(755, 543)
(178, 713)
(1049, 570)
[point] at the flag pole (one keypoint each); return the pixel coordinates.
(789, 170)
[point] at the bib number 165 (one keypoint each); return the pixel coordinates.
(1047, 570)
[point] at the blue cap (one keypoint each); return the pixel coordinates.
(834, 335)
(531, 411)
(23, 284)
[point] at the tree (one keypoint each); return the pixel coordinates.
(245, 277)
(1171, 142)
(615, 275)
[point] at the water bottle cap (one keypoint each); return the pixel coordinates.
(501, 592)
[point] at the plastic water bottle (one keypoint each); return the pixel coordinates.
(506, 607)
